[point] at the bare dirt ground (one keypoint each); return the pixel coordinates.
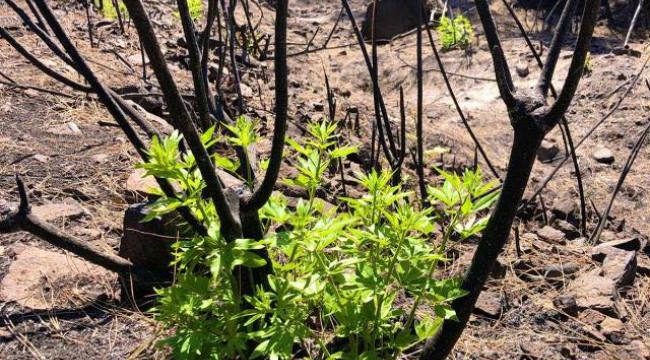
(64, 151)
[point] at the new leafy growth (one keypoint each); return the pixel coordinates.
(196, 9)
(110, 12)
(456, 33)
(349, 282)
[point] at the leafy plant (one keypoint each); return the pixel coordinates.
(461, 199)
(354, 282)
(589, 67)
(110, 12)
(196, 9)
(455, 33)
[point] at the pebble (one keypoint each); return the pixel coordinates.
(547, 151)
(522, 70)
(604, 156)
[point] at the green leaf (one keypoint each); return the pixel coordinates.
(342, 152)
(427, 328)
(207, 135)
(445, 312)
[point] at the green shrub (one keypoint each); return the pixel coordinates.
(349, 282)
(110, 12)
(196, 9)
(589, 66)
(456, 33)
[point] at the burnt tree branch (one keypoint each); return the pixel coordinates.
(531, 119)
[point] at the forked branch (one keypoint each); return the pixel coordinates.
(580, 53)
(548, 71)
(22, 218)
(531, 120)
(264, 191)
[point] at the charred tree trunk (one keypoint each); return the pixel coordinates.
(531, 119)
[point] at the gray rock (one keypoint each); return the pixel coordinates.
(147, 244)
(246, 91)
(136, 59)
(69, 129)
(99, 158)
(523, 70)
(614, 330)
(629, 244)
(489, 304)
(394, 17)
(138, 187)
(591, 317)
(551, 235)
(547, 151)
(566, 304)
(155, 121)
(641, 349)
(604, 156)
(618, 265)
(560, 270)
(41, 158)
(564, 208)
(595, 292)
(570, 231)
(536, 350)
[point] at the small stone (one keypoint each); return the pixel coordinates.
(551, 235)
(566, 304)
(534, 349)
(564, 209)
(568, 351)
(68, 209)
(641, 349)
(591, 317)
(595, 292)
(629, 244)
(614, 330)
(136, 59)
(99, 158)
(547, 151)
(489, 304)
(66, 129)
(560, 270)
(246, 91)
(568, 229)
(618, 265)
(603, 156)
(31, 93)
(522, 70)
(41, 158)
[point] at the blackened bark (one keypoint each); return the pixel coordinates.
(522, 158)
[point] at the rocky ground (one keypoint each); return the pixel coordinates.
(551, 297)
